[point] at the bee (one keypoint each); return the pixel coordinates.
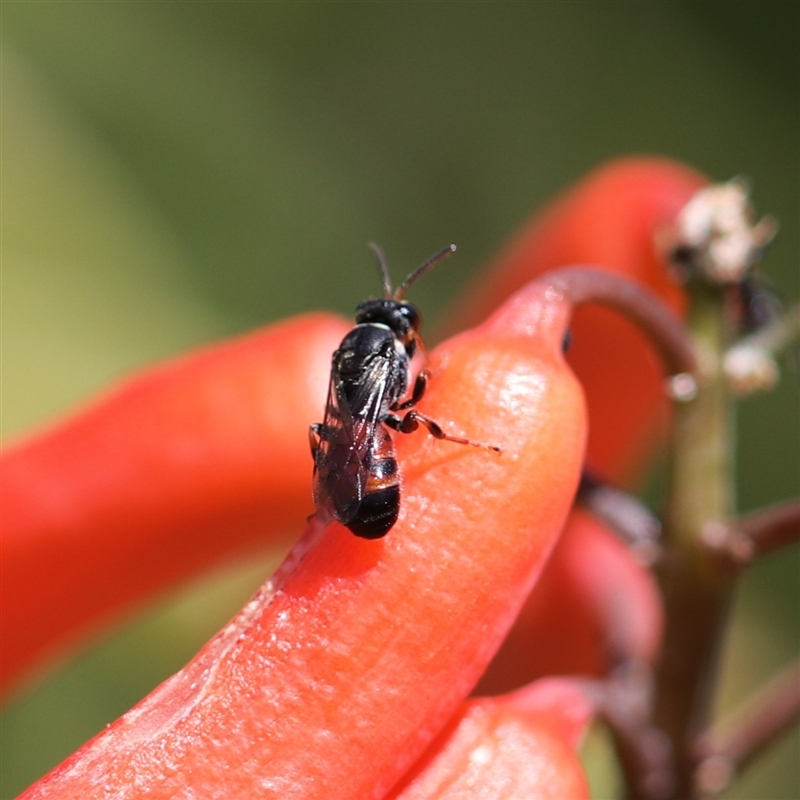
(356, 480)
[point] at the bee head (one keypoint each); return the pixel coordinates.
(400, 317)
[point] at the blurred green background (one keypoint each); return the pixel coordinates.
(177, 172)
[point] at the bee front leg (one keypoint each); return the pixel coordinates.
(420, 385)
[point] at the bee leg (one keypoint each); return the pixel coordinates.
(413, 419)
(420, 385)
(401, 424)
(313, 438)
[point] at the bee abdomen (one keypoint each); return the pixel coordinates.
(377, 512)
(380, 503)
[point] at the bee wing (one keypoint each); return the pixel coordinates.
(346, 436)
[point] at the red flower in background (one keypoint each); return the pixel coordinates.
(348, 672)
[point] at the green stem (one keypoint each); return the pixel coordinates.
(700, 492)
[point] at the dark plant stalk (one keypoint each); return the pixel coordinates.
(623, 701)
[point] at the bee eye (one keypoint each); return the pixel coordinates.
(412, 315)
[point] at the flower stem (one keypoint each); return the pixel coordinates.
(700, 493)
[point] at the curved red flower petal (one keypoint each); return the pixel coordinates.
(172, 471)
(333, 680)
(610, 219)
(519, 746)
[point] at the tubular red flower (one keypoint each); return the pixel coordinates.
(174, 470)
(611, 218)
(339, 673)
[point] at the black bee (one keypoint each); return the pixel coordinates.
(356, 480)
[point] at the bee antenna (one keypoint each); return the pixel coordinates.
(400, 291)
(383, 268)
